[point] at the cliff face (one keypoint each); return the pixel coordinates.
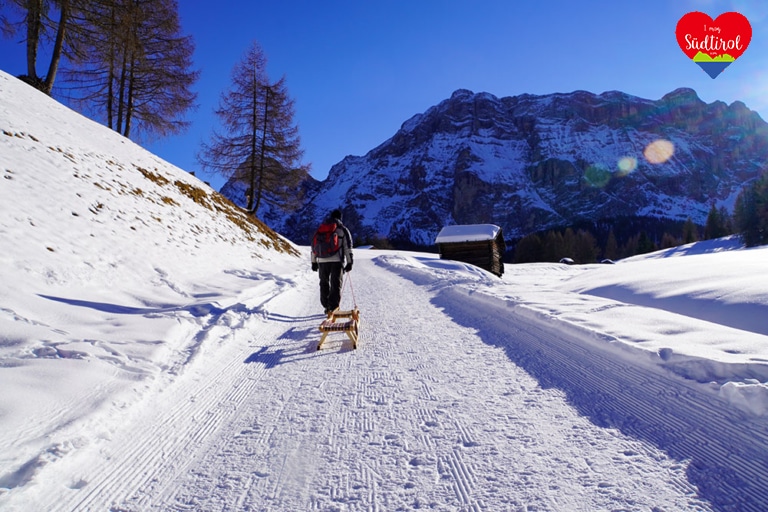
(531, 162)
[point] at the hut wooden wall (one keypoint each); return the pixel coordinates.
(486, 254)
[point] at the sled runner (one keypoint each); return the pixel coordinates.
(332, 324)
(343, 321)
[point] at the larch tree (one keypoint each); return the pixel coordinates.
(33, 26)
(529, 249)
(3, 19)
(38, 24)
(585, 247)
(259, 144)
(6, 26)
(132, 67)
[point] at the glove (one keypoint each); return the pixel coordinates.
(348, 268)
(314, 267)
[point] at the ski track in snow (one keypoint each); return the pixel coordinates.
(429, 412)
(728, 461)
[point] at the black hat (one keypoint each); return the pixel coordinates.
(336, 214)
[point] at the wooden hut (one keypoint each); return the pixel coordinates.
(481, 245)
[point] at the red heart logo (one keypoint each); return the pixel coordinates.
(713, 44)
(729, 33)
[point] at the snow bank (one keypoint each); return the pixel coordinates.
(697, 312)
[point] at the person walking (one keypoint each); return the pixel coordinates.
(331, 257)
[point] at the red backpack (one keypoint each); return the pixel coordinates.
(326, 242)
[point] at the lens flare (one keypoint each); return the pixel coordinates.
(597, 176)
(659, 151)
(626, 165)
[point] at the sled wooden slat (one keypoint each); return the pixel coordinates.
(351, 327)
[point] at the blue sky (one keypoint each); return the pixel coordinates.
(358, 69)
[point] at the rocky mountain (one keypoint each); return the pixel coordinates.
(529, 163)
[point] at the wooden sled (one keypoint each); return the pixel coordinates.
(351, 326)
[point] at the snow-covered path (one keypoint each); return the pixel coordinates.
(424, 414)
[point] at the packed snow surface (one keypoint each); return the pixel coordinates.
(157, 353)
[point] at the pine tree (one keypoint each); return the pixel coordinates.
(645, 244)
(668, 241)
(751, 213)
(585, 247)
(569, 243)
(529, 249)
(690, 232)
(611, 247)
(727, 219)
(554, 246)
(260, 145)
(631, 247)
(717, 223)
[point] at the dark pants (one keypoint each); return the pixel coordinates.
(331, 277)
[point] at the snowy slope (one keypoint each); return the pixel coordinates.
(156, 355)
(111, 258)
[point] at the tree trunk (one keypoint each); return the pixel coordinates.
(129, 106)
(34, 24)
(129, 103)
(121, 94)
(111, 94)
(132, 65)
(252, 158)
(50, 77)
(263, 145)
(111, 74)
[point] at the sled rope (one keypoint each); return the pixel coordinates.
(348, 279)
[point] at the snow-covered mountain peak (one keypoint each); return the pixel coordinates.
(534, 162)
